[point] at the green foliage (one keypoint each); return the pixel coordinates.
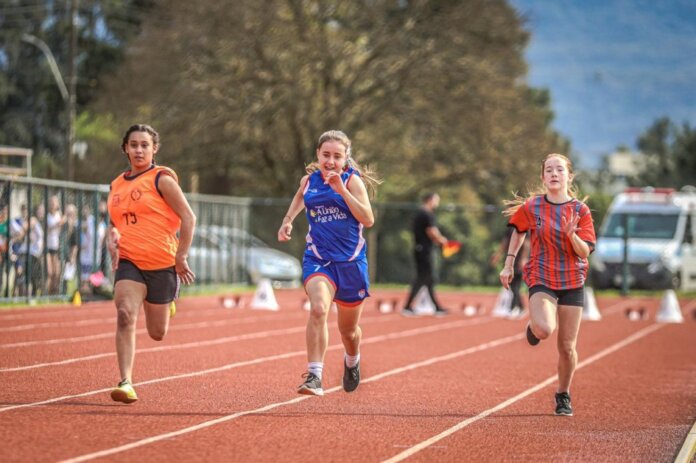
(33, 113)
(670, 155)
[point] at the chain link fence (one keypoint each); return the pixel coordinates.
(52, 241)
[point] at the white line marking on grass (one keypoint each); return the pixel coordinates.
(229, 366)
(609, 350)
(207, 424)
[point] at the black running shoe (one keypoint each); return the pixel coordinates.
(351, 377)
(563, 407)
(311, 385)
(531, 339)
(440, 312)
(408, 312)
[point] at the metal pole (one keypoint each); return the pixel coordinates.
(624, 268)
(72, 82)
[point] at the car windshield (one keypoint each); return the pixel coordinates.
(650, 226)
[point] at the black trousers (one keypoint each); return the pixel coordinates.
(424, 276)
(515, 286)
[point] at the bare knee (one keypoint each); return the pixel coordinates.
(157, 334)
(125, 318)
(318, 311)
(349, 332)
(566, 349)
(543, 330)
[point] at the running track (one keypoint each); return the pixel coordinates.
(221, 387)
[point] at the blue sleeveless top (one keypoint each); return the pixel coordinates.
(334, 234)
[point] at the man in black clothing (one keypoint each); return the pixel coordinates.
(426, 235)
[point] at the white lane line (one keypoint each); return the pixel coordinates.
(229, 366)
(98, 321)
(223, 419)
(172, 327)
(688, 450)
(194, 344)
(609, 350)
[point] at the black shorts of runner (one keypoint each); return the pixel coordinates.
(574, 297)
(162, 285)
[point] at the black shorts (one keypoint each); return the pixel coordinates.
(162, 285)
(574, 297)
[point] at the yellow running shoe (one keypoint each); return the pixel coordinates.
(172, 309)
(124, 393)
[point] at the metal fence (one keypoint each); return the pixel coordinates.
(52, 241)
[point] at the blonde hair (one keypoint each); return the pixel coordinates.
(368, 175)
(514, 204)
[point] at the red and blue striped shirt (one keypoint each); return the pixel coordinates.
(552, 261)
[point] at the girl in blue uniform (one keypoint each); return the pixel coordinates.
(335, 197)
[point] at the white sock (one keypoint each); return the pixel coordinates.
(352, 360)
(316, 368)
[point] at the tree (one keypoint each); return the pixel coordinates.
(32, 110)
(432, 93)
(670, 155)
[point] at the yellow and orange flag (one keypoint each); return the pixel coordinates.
(450, 248)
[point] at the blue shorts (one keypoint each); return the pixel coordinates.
(350, 280)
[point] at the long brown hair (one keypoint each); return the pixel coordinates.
(368, 175)
(514, 204)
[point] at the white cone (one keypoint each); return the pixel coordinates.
(590, 310)
(669, 312)
(470, 310)
(264, 299)
(423, 305)
(385, 307)
(501, 308)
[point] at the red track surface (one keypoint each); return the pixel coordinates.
(221, 387)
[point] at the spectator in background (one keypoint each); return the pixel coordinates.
(31, 253)
(70, 248)
(54, 225)
(517, 305)
(91, 239)
(426, 235)
(4, 230)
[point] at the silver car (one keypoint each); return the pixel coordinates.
(221, 254)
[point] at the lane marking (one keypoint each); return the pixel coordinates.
(172, 327)
(688, 450)
(609, 350)
(111, 321)
(193, 344)
(229, 366)
(223, 419)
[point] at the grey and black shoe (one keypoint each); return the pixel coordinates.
(563, 407)
(311, 385)
(531, 339)
(408, 312)
(351, 377)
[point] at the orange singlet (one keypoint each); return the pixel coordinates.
(147, 224)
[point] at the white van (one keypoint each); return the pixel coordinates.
(661, 224)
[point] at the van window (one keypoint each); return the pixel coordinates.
(650, 226)
(688, 233)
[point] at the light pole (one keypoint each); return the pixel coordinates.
(69, 96)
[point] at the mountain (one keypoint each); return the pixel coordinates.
(612, 66)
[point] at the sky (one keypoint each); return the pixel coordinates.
(613, 67)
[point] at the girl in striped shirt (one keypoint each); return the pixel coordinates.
(562, 237)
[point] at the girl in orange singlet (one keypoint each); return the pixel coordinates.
(147, 208)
